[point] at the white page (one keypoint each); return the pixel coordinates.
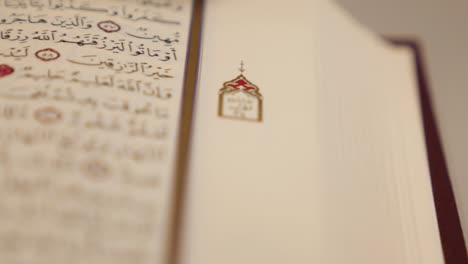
(336, 172)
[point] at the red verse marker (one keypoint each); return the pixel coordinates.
(47, 54)
(5, 70)
(108, 26)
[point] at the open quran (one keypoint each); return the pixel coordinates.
(216, 131)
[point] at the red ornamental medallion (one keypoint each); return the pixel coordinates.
(47, 54)
(5, 70)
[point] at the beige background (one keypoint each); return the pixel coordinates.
(272, 192)
(442, 27)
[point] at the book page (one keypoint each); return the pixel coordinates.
(308, 145)
(90, 95)
(372, 148)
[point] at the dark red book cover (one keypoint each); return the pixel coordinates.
(451, 233)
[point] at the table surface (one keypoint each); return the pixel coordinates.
(442, 28)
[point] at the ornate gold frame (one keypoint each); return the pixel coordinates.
(257, 94)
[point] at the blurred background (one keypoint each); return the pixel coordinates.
(442, 28)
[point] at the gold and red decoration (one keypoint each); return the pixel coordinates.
(240, 99)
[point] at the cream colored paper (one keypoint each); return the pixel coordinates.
(88, 128)
(336, 172)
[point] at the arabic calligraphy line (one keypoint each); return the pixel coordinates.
(146, 11)
(150, 89)
(68, 22)
(77, 21)
(67, 95)
(77, 141)
(94, 40)
(15, 52)
(145, 68)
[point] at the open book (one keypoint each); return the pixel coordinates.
(172, 131)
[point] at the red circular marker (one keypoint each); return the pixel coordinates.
(108, 26)
(5, 70)
(47, 54)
